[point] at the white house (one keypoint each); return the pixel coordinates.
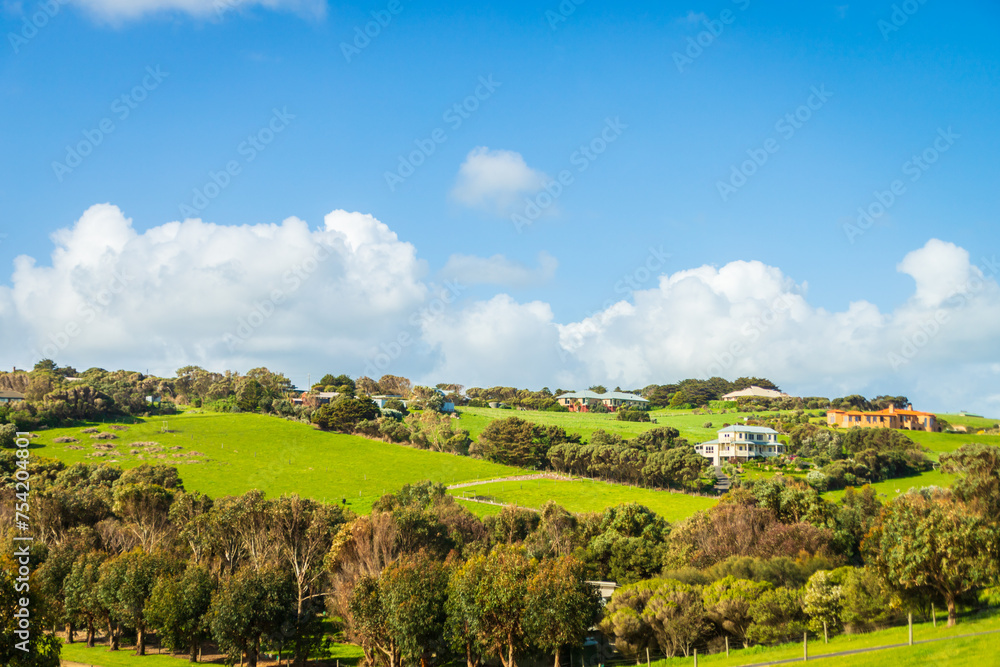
(742, 443)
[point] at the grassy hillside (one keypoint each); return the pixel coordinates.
(585, 496)
(238, 452)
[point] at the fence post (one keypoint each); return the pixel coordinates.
(805, 646)
(909, 623)
(696, 658)
(933, 615)
(826, 638)
(727, 646)
(647, 656)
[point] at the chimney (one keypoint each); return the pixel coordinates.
(892, 408)
(910, 406)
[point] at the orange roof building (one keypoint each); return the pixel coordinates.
(909, 419)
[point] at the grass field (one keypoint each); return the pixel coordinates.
(99, 656)
(965, 652)
(228, 454)
(244, 451)
(586, 496)
(585, 423)
(960, 652)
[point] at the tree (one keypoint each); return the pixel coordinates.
(178, 609)
(823, 599)
(344, 414)
(303, 530)
(978, 468)
(462, 611)
(728, 604)
(777, 616)
(21, 647)
(414, 590)
(249, 394)
(934, 542)
(561, 605)
(145, 510)
(82, 601)
(369, 620)
(124, 588)
(676, 614)
(250, 607)
(499, 602)
(623, 620)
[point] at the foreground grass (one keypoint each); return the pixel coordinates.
(585, 496)
(240, 452)
(971, 651)
(99, 656)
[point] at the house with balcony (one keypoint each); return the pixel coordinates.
(908, 419)
(741, 443)
(580, 401)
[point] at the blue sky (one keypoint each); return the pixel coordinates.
(888, 89)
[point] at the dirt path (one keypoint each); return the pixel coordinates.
(517, 478)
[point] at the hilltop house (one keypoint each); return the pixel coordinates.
(909, 419)
(7, 396)
(756, 391)
(741, 443)
(579, 401)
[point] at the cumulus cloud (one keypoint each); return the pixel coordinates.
(939, 269)
(351, 296)
(499, 270)
(195, 292)
(747, 318)
(119, 10)
(495, 180)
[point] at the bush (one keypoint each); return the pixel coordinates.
(632, 416)
(707, 425)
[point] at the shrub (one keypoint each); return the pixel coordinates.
(632, 416)
(707, 425)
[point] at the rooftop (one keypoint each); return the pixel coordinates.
(619, 395)
(747, 429)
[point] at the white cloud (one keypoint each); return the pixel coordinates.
(498, 270)
(197, 292)
(119, 10)
(321, 300)
(747, 318)
(939, 269)
(496, 181)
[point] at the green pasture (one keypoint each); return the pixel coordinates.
(585, 496)
(963, 652)
(238, 452)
